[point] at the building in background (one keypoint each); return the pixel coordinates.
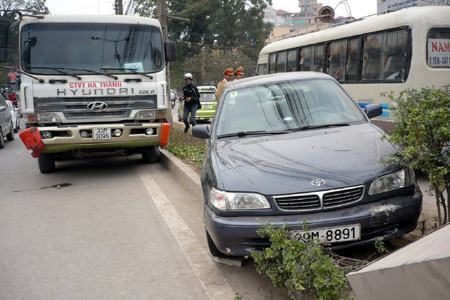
(393, 5)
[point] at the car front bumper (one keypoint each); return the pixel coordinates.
(389, 218)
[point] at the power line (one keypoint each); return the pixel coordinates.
(84, 7)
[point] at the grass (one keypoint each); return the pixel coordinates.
(187, 148)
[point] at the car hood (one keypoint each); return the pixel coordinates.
(287, 163)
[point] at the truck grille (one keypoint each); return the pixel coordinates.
(320, 200)
(76, 108)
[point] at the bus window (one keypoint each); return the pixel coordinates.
(353, 58)
(272, 63)
(372, 68)
(281, 61)
(319, 58)
(336, 60)
(306, 58)
(395, 55)
(438, 48)
(292, 60)
(262, 69)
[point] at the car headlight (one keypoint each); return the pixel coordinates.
(48, 118)
(145, 115)
(237, 201)
(391, 182)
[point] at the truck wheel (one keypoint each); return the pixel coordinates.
(2, 139)
(10, 135)
(151, 155)
(213, 249)
(46, 163)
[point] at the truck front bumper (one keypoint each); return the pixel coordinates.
(68, 137)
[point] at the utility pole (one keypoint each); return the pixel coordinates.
(118, 7)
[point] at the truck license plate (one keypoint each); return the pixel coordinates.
(330, 235)
(102, 133)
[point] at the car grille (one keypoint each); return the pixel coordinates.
(76, 108)
(320, 200)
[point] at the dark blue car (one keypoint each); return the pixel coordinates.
(294, 148)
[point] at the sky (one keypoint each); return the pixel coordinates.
(359, 8)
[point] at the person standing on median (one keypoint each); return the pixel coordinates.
(228, 76)
(239, 73)
(191, 101)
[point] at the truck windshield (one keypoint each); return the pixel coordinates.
(111, 48)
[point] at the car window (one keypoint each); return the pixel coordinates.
(207, 97)
(287, 105)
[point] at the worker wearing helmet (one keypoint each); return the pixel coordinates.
(191, 101)
(228, 76)
(239, 73)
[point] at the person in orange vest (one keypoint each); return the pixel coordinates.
(239, 73)
(228, 76)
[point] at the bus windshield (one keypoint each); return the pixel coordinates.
(48, 48)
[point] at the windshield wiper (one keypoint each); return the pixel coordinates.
(95, 72)
(306, 127)
(59, 70)
(126, 69)
(247, 133)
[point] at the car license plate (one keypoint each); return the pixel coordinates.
(102, 133)
(330, 235)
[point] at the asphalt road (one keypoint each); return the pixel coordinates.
(110, 228)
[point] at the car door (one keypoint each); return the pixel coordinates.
(5, 116)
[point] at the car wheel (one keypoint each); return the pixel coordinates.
(213, 249)
(2, 139)
(151, 155)
(10, 135)
(46, 163)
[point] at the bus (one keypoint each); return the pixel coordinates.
(371, 57)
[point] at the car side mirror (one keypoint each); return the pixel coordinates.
(201, 131)
(373, 110)
(2, 108)
(170, 49)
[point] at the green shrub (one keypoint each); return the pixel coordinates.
(422, 130)
(300, 267)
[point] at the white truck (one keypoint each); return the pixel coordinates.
(95, 85)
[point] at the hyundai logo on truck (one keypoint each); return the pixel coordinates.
(97, 106)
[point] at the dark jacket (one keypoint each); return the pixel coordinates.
(190, 90)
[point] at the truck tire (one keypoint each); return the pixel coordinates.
(10, 135)
(2, 139)
(213, 249)
(46, 163)
(151, 155)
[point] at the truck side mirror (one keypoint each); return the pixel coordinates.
(4, 29)
(170, 49)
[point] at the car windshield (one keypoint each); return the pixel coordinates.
(287, 106)
(112, 48)
(207, 97)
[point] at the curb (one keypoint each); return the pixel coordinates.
(183, 173)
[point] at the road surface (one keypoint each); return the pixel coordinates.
(110, 228)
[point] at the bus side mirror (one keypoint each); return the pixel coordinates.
(4, 29)
(170, 49)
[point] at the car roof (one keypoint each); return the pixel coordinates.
(273, 78)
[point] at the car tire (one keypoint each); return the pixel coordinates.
(46, 163)
(2, 139)
(213, 249)
(10, 135)
(151, 155)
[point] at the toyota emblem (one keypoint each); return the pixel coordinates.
(318, 182)
(97, 106)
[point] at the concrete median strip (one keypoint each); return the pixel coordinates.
(206, 271)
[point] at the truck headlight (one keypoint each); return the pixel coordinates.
(48, 117)
(145, 115)
(390, 182)
(237, 201)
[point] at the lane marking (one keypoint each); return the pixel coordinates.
(205, 269)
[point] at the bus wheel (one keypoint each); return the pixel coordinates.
(46, 163)
(151, 155)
